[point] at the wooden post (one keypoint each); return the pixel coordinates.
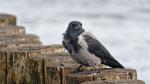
(104, 74)
(48, 63)
(21, 37)
(11, 30)
(19, 40)
(56, 48)
(116, 73)
(53, 73)
(115, 82)
(17, 62)
(76, 78)
(66, 70)
(61, 65)
(6, 19)
(16, 43)
(36, 70)
(56, 72)
(3, 69)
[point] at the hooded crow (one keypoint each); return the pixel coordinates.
(85, 49)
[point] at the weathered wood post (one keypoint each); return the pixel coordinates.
(57, 71)
(6, 19)
(20, 37)
(104, 74)
(17, 62)
(44, 64)
(19, 40)
(11, 30)
(11, 36)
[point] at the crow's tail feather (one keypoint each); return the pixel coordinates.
(113, 64)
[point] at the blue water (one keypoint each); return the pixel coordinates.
(123, 26)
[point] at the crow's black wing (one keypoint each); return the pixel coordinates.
(95, 47)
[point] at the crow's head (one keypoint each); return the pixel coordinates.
(75, 27)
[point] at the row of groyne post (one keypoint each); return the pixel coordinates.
(25, 60)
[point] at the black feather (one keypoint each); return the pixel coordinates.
(95, 47)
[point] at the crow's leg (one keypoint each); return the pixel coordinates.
(94, 69)
(78, 69)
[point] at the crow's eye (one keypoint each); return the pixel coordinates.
(80, 24)
(73, 25)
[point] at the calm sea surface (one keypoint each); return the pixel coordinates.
(123, 26)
